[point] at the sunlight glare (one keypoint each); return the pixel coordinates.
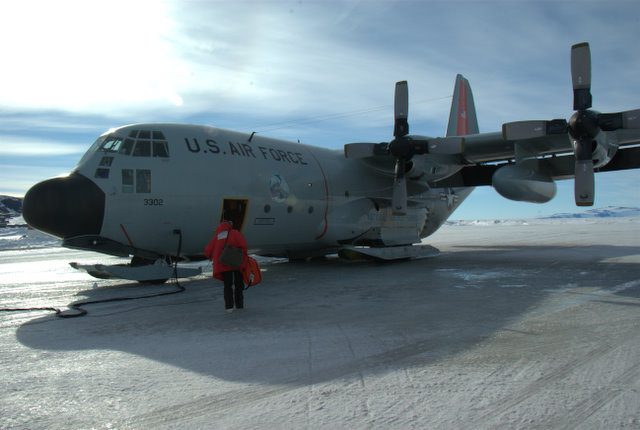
(78, 54)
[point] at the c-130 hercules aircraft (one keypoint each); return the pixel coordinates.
(128, 195)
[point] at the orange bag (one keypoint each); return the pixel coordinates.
(251, 273)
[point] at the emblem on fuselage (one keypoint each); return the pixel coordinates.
(278, 188)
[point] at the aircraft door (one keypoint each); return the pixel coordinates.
(235, 210)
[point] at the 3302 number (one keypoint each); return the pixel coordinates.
(153, 202)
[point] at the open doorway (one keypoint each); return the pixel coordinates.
(235, 210)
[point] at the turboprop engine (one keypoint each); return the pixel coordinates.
(585, 127)
(604, 149)
(523, 183)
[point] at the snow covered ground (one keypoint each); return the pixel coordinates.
(520, 324)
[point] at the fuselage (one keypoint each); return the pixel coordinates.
(141, 186)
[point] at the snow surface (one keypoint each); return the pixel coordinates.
(522, 324)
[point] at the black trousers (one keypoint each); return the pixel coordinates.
(232, 297)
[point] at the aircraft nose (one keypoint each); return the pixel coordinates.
(65, 207)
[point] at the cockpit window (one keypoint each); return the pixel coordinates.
(160, 149)
(142, 149)
(126, 147)
(97, 144)
(111, 144)
(145, 143)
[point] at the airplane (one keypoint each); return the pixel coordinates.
(155, 192)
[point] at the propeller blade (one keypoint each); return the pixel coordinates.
(361, 150)
(521, 130)
(621, 120)
(399, 195)
(401, 109)
(581, 76)
(584, 184)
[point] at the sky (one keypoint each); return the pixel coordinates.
(319, 71)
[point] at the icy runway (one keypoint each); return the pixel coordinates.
(513, 325)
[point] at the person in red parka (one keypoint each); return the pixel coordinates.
(226, 234)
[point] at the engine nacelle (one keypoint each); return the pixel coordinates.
(523, 184)
(605, 148)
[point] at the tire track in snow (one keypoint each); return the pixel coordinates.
(222, 402)
(364, 398)
(586, 408)
(576, 416)
(501, 406)
(215, 404)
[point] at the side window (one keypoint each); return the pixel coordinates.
(102, 173)
(106, 161)
(143, 181)
(127, 180)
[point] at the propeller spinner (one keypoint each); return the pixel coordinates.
(583, 126)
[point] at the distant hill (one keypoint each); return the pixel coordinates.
(594, 214)
(608, 212)
(10, 204)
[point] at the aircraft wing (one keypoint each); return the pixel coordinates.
(521, 169)
(493, 147)
(485, 153)
(523, 160)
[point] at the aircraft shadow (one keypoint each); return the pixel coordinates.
(322, 320)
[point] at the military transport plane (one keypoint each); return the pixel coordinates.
(132, 194)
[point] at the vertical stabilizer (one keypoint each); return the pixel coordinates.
(462, 118)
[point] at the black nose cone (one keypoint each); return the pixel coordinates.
(65, 207)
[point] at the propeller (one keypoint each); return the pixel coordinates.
(403, 147)
(400, 147)
(583, 126)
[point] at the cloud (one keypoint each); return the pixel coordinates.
(16, 179)
(284, 59)
(28, 146)
(75, 55)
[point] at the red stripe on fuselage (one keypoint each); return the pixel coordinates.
(326, 202)
(463, 122)
(126, 235)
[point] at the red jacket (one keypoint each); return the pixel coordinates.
(224, 234)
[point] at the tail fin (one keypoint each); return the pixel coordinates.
(462, 118)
